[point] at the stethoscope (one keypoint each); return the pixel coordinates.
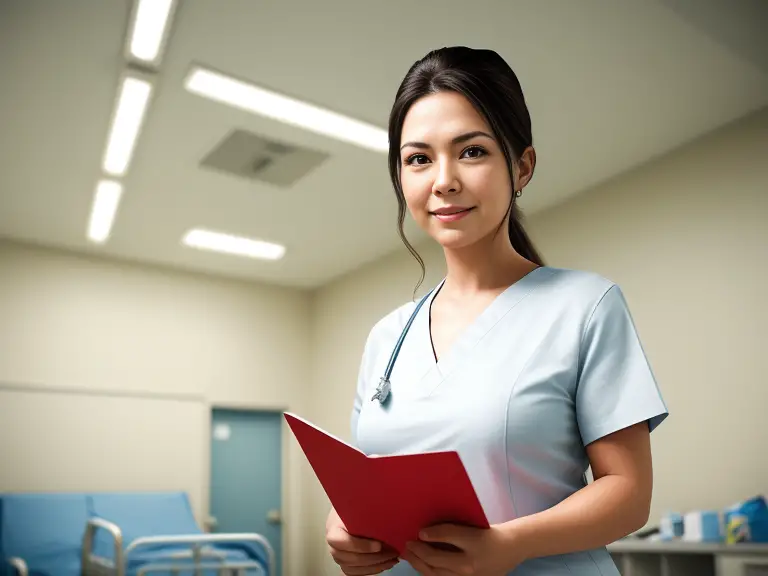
(384, 387)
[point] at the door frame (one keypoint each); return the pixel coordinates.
(285, 471)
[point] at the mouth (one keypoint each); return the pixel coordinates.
(451, 214)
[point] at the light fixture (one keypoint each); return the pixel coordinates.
(129, 114)
(233, 92)
(149, 29)
(221, 242)
(103, 210)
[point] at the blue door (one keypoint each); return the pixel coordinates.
(246, 474)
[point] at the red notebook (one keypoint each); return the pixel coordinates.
(389, 498)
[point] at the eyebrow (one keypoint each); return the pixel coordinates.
(457, 140)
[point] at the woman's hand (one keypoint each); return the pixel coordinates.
(451, 550)
(356, 556)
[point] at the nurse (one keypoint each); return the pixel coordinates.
(532, 373)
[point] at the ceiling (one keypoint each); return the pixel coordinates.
(610, 85)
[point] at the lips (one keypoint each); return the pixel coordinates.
(450, 211)
(452, 214)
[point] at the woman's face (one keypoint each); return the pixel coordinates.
(454, 175)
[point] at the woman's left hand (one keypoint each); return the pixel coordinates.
(475, 551)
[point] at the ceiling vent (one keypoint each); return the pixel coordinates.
(247, 155)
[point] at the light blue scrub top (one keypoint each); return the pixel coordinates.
(553, 364)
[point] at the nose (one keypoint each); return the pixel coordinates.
(446, 180)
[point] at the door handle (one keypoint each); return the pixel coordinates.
(274, 517)
(211, 523)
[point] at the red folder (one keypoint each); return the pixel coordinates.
(389, 498)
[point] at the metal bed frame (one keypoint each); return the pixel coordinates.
(19, 566)
(201, 553)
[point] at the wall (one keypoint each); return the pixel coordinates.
(686, 236)
(108, 372)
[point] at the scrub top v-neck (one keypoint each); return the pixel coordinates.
(552, 364)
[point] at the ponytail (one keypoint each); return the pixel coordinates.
(520, 240)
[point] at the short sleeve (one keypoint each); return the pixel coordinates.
(616, 386)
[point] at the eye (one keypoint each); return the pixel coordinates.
(474, 152)
(417, 159)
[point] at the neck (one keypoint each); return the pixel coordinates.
(489, 264)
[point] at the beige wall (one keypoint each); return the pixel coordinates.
(687, 238)
(108, 371)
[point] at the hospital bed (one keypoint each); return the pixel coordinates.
(41, 534)
(18, 567)
(120, 534)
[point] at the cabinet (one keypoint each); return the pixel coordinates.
(643, 558)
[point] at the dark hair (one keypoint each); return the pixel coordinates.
(491, 86)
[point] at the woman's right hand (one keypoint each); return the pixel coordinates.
(356, 556)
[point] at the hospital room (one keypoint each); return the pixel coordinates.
(301, 288)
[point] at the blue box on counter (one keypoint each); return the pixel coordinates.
(747, 521)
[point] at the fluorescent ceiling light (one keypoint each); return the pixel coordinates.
(264, 102)
(105, 202)
(148, 31)
(129, 114)
(221, 242)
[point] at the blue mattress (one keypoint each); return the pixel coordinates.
(47, 530)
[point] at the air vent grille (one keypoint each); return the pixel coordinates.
(247, 155)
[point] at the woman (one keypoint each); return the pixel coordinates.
(531, 373)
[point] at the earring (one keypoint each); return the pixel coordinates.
(519, 193)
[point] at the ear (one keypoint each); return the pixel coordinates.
(525, 167)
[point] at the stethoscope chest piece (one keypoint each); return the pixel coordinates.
(382, 390)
